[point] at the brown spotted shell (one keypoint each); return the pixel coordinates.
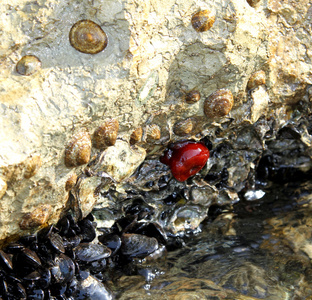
(88, 37)
(192, 96)
(32, 166)
(136, 136)
(106, 134)
(28, 65)
(38, 217)
(256, 79)
(78, 150)
(203, 20)
(218, 104)
(183, 127)
(153, 132)
(253, 3)
(70, 182)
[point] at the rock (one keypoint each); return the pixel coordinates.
(153, 57)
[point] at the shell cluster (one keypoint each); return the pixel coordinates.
(106, 134)
(256, 79)
(78, 149)
(88, 37)
(203, 20)
(218, 104)
(28, 65)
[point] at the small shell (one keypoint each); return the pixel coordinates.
(71, 181)
(253, 3)
(153, 132)
(78, 150)
(88, 37)
(218, 104)
(192, 97)
(136, 136)
(256, 79)
(106, 134)
(183, 127)
(33, 165)
(203, 20)
(28, 65)
(38, 217)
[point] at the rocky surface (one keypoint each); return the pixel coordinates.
(153, 58)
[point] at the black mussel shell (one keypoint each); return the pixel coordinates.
(91, 252)
(112, 241)
(87, 230)
(137, 245)
(56, 241)
(5, 261)
(63, 270)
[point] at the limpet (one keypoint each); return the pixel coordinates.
(153, 132)
(70, 182)
(136, 136)
(183, 127)
(38, 217)
(106, 134)
(192, 97)
(256, 79)
(88, 37)
(203, 20)
(253, 3)
(78, 150)
(218, 104)
(28, 65)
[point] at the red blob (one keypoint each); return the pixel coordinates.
(185, 159)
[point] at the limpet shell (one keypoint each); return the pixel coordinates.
(183, 127)
(136, 136)
(28, 65)
(70, 182)
(78, 150)
(203, 20)
(256, 79)
(218, 104)
(88, 37)
(153, 132)
(33, 165)
(106, 134)
(192, 97)
(253, 3)
(38, 217)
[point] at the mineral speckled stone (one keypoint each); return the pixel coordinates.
(88, 37)
(28, 65)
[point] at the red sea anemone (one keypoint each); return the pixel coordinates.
(185, 159)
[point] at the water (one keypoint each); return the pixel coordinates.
(262, 249)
